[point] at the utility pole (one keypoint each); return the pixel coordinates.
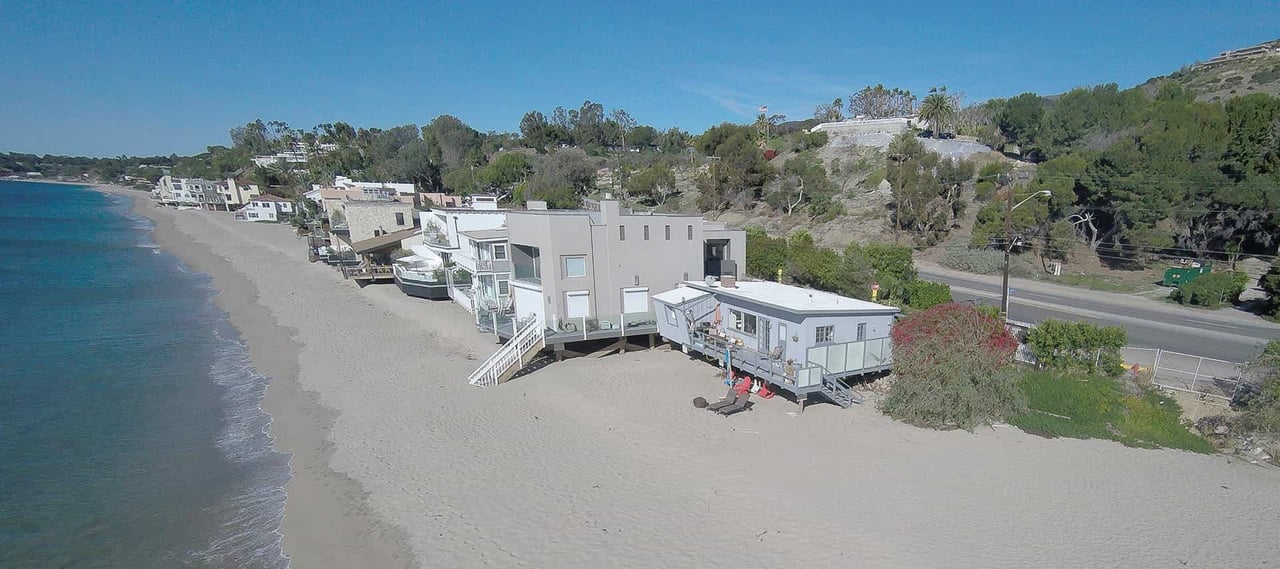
(1008, 237)
(1007, 245)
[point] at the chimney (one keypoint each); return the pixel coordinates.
(610, 211)
(728, 281)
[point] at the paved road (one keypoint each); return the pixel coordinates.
(1151, 324)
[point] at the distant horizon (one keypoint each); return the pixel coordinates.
(84, 81)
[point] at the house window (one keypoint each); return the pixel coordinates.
(646, 233)
(668, 228)
(575, 266)
(824, 334)
(622, 233)
(743, 322)
(500, 252)
(691, 233)
(251, 214)
(399, 218)
(862, 331)
(504, 287)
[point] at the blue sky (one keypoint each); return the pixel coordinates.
(98, 79)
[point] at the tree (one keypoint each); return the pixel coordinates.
(533, 127)
(252, 137)
(1021, 119)
(805, 182)
(561, 178)
(1269, 282)
(951, 367)
(766, 256)
(505, 172)
(879, 102)
(937, 109)
(625, 125)
(829, 112)
(740, 173)
(451, 143)
(588, 124)
(657, 183)
(412, 163)
(926, 187)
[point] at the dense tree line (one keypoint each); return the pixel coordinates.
(51, 166)
(1132, 174)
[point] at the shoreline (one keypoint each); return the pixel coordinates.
(604, 463)
(333, 530)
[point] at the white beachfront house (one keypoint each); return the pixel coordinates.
(798, 340)
(473, 241)
(190, 192)
(374, 190)
(266, 208)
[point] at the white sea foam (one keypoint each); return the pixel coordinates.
(250, 516)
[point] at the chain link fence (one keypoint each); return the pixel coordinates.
(1219, 380)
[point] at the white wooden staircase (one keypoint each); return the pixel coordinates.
(529, 339)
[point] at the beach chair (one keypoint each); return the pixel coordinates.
(729, 399)
(742, 404)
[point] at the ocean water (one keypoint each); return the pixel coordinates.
(130, 428)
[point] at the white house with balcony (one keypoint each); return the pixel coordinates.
(374, 190)
(473, 241)
(190, 192)
(266, 208)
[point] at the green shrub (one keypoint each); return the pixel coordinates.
(923, 295)
(1078, 345)
(1269, 282)
(810, 140)
(952, 370)
(981, 261)
(1211, 290)
(1088, 406)
(984, 190)
(765, 255)
(1262, 414)
(874, 179)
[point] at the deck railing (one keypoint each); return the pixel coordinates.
(367, 272)
(528, 338)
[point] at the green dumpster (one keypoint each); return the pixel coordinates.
(1178, 276)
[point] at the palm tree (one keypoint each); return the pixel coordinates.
(937, 109)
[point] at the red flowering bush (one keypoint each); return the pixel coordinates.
(951, 368)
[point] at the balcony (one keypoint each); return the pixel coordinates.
(493, 266)
(436, 238)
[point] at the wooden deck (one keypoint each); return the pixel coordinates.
(369, 274)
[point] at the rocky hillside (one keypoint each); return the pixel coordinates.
(1254, 69)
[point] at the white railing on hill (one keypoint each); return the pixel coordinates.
(530, 337)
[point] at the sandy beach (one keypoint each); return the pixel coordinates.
(397, 462)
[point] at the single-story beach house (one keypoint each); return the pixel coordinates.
(798, 340)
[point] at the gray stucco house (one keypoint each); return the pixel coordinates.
(585, 274)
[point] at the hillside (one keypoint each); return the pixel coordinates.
(1254, 69)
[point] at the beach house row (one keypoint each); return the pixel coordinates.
(217, 195)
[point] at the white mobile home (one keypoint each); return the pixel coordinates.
(798, 340)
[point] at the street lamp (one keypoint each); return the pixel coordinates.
(1008, 243)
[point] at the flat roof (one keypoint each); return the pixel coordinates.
(486, 234)
(680, 295)
(793, 298)
(385, 240)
